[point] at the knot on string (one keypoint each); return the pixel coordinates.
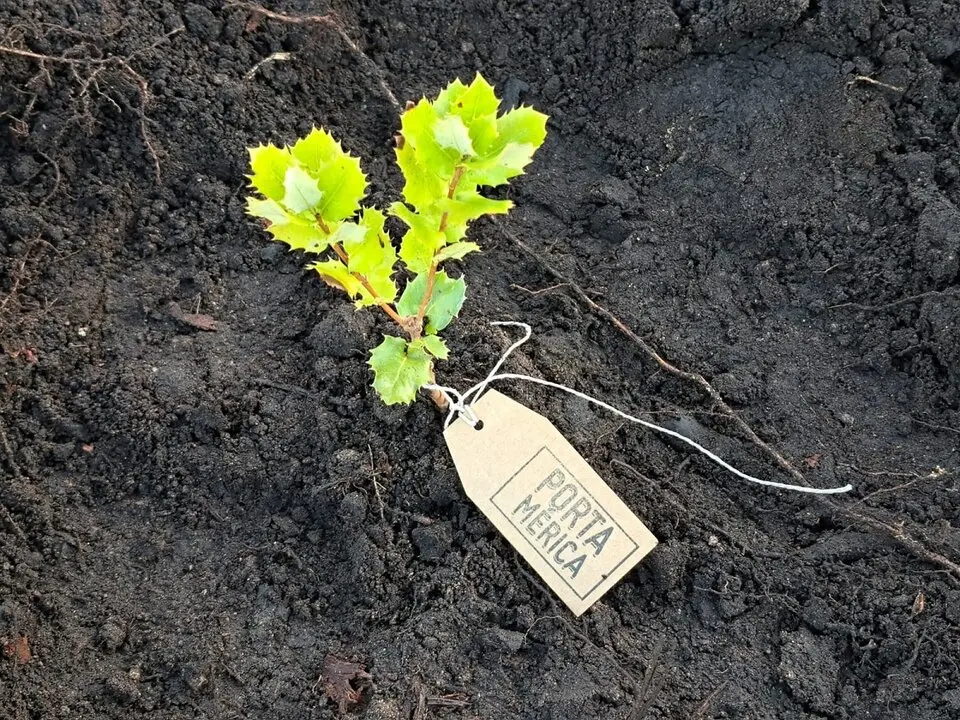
(462, 403)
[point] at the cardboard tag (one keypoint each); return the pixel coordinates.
(547, 500)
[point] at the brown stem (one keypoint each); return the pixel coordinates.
(432, 275)
(383, 304)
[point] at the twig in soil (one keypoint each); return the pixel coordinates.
(896, 531)
(455, 700)
(373, 479)
(932, 426)
(56, 177)
(274, 57)
(541, 291)
(11, 460)
(701, 711)
(694, 378)
(870, 81)
(895, 303)
(647, 691)
(331, 20)
(90, 81)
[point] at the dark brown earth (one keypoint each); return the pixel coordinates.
(191, 521)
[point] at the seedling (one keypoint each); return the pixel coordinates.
(447, 149)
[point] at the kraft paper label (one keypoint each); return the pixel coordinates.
(538, 491)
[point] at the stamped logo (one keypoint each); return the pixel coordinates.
(564, 523)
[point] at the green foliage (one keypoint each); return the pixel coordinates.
(448, 149)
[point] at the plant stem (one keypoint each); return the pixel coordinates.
(434, 265)
(383, 304)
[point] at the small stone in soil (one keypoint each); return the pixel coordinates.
(433, 541)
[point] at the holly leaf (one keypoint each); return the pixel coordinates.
(371, 255)
(477, 107)
(269, 210)
(301, 190)
(448, 96)
(457, 250)
(444, 303)
(451, 134)
(300, 234)
(335, 274)
(269, 164)
(315, 150)
(434, 345)
(338, 174)
(343, 184)
(422, 241)
(469, 206)
(522, 126)
(426, 166)
(400, 369)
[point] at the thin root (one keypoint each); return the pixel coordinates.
(331, 21)
(896, 531)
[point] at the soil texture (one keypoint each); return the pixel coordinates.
(205, 511)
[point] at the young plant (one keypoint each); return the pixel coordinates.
(447, 149)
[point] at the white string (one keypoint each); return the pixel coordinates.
(463, 403)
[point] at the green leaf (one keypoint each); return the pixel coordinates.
(343, 184)
(426, 166)
(422, 241)
(338, 174)
(457, 250)
(335, 274)
(450, 133)
(523, 126)
(400, 369)
(301, 190)
(435, 346)
(470, 206)
(269, 165)
(300, 234)
(267, 209)
(477, 107)
(519, 133)
(444, 304)
(315, 150)
(448, 96)
(371, 255)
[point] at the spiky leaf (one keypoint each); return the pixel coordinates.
(477, 106)
(400, 369)
(315, 150)
(457, 250)
(269, 164)
(301, 190)
(372, 255)
(269, 210)
(300, 234)
(335, 274)
(451, 134)
(422, 241)
(444, 303)
(435, 346)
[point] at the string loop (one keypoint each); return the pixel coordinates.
(462, 404)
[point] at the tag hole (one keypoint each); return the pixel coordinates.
(479, 425)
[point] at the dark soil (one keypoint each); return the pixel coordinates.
(191, 521)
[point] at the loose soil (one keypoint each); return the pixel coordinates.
(191, 521)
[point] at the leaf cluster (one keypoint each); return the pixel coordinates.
(448, 148)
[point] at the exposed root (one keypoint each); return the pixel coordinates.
(331, 21)
(87, 72)
(896, 531)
